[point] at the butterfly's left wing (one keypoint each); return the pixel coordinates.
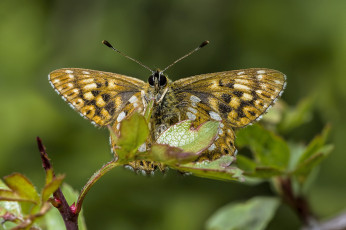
(101, 97)
(235, 98)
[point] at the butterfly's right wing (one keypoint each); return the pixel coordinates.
(239, 96)
(235, 98)
(98, 96)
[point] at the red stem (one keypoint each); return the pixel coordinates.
(69, 216)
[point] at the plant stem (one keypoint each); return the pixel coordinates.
(67, 212)
(298, 203)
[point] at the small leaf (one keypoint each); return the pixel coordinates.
(50, 188)
(246, 163)
(268, 149)
(304, 168)
(190, 140)
(251, 169)
(294, 117)
(265, 172)
(170, 155)
(315, 144)
(133, 132)
(49, 175)
(254, 214)
(218, 169)
(8, 208)
(8, 195)
(20, 185)
(311, 157)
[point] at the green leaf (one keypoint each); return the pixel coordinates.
(181, 143)
(219, 169)
(190, 140)
(50, 188)
(294, 117)
(133, 132)
(254, 214)
(304, 168)
(245, 163)
(312, 156)
(8, 206)
(268, 149)
(49, 175)
(8, 195)
(252, 170)
(170, 155)
(10, 209)
(315, 145)
(21, 186)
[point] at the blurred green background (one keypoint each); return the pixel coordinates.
(306, 40)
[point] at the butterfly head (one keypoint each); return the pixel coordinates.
(157, 81)
(158, 85)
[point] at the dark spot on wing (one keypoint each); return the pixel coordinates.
(106, 97)
(230, 85)
(95, 92)
(226, 97)
(110, 107)
(238, 93)
(224, 109)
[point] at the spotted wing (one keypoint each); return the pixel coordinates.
(98, 96)
(236, 98)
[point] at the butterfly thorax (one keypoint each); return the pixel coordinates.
(164, 113)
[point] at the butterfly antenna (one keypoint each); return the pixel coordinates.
(140, 63)
(186, 55)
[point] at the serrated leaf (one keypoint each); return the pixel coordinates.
(219, 169)
(133, 132)
(21, 186)
(253, 214)
(268, 149)
(50, 188)
(190, 140)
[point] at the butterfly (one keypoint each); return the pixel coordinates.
(235, 98)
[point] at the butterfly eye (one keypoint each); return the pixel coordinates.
(163, 80)
(151, 80)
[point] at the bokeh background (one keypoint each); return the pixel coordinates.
(306, 40)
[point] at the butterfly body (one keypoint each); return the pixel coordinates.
(235, 98)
